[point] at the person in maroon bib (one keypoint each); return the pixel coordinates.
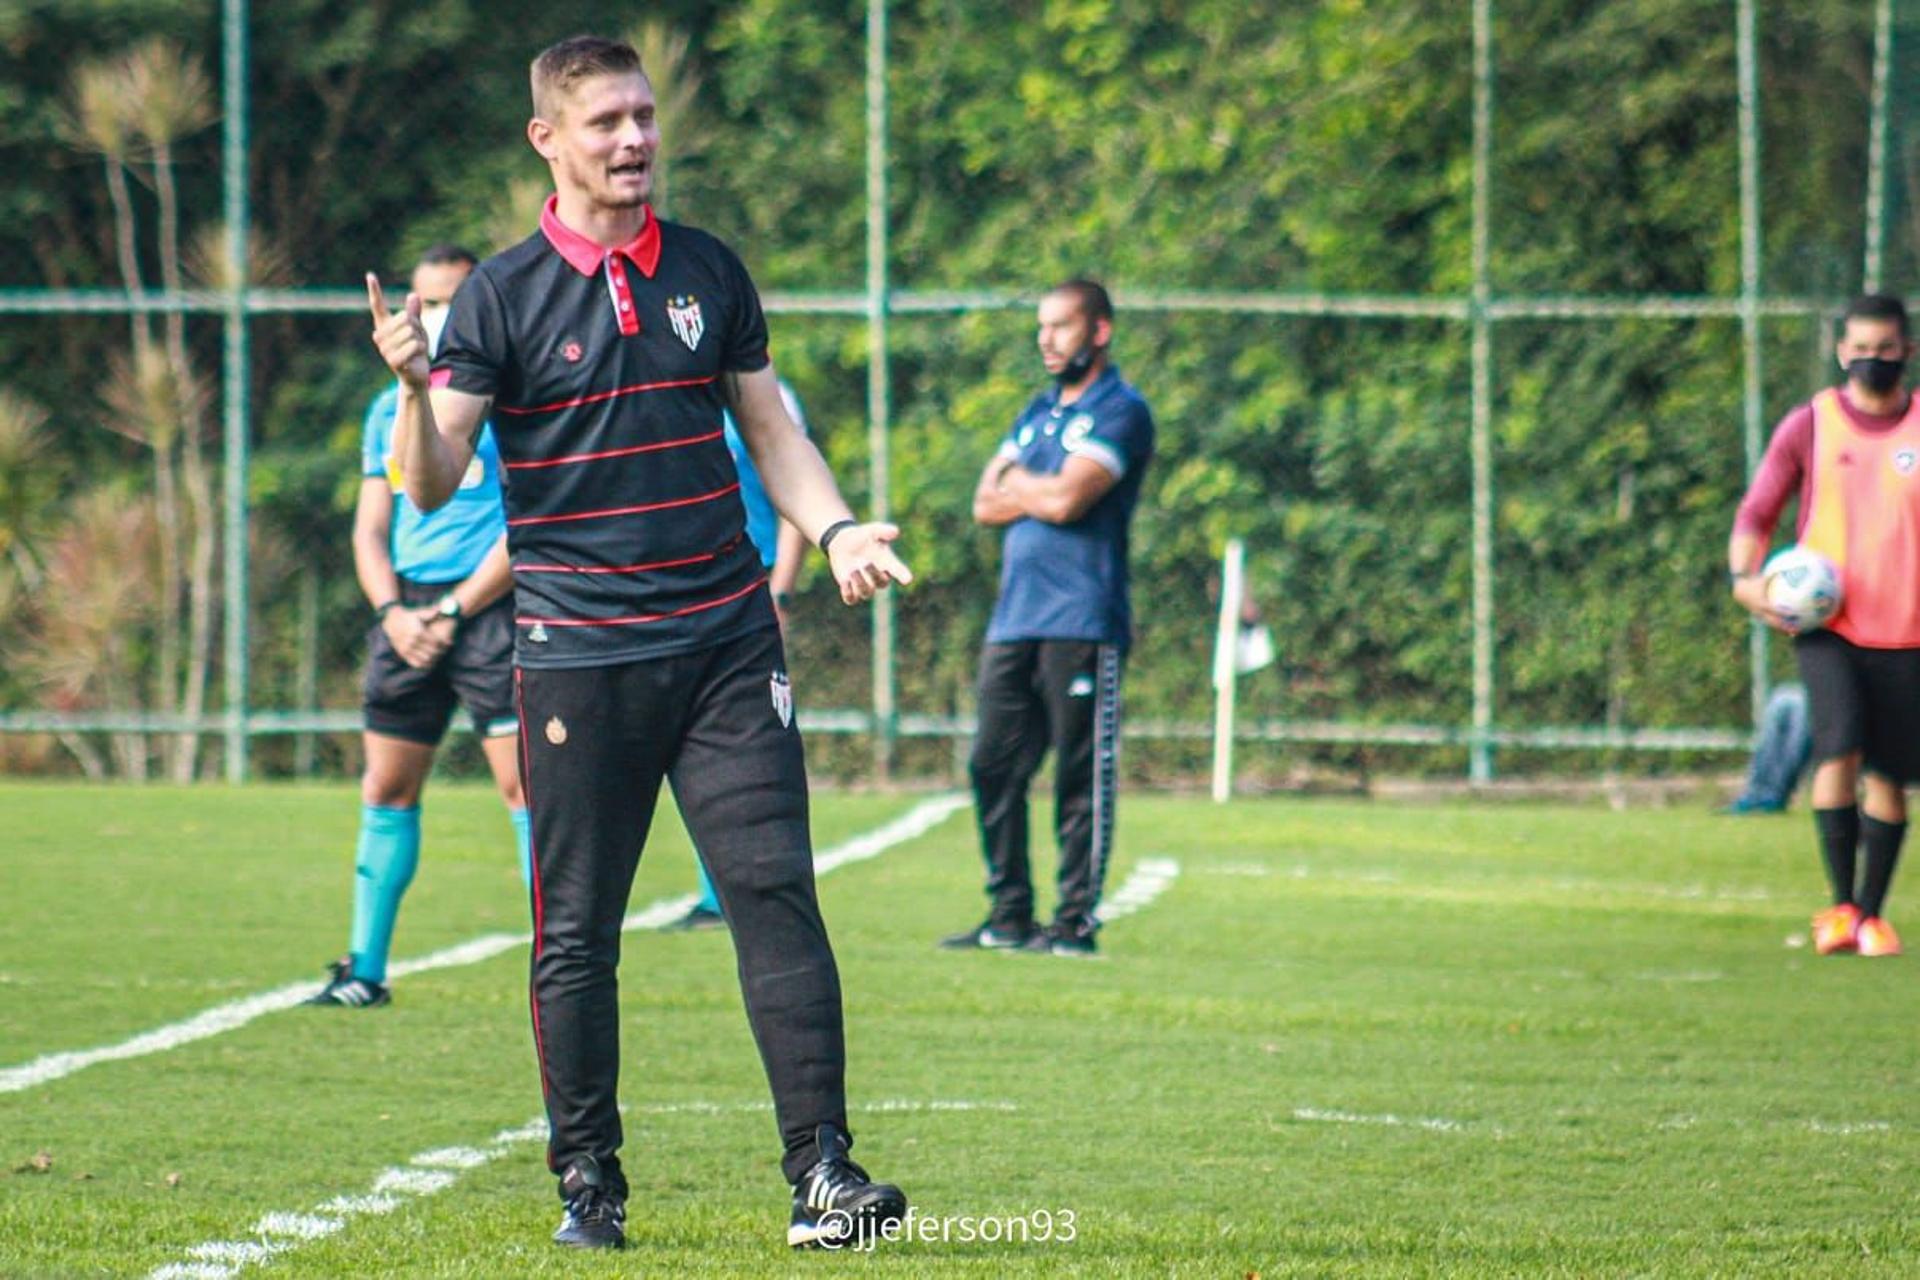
(608, 346)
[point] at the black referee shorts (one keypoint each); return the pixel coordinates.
(1865, 700)
(417, 704)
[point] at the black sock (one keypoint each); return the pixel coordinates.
(1882, 841)
(1839, 836)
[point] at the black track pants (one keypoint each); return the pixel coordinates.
(596, 743)
(1036, 694)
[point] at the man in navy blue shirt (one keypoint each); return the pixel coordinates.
(1064, 483)
(607, 347)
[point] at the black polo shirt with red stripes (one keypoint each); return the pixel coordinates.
(623, 505)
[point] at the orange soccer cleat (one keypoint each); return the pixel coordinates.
(1877, 938)
(1838, 929)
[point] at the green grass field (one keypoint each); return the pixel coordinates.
(1348, 1039)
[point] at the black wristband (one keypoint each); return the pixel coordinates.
(380, 611)
(832, 531)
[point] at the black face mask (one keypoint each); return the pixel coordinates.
(1876, 375)
(1077, 365)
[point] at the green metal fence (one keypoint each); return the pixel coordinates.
(1478, 313)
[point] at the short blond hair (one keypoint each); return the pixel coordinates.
(562, 66)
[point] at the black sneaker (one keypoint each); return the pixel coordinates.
(697, 917)
(991, 937)
(345, 991)
(835, 1203)
(596, 1216)
(1062, 940)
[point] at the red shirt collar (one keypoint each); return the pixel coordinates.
(585, 256)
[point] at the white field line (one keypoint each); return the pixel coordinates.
(222, 1018)
(428, 1174)
(1149, 880)
(1320, 1116)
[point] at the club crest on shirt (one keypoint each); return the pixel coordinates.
(683, 313)
(556, 731)
(572, 352)
(1904, 460)
(1079, 427)
(1024, 437)
(782, 689)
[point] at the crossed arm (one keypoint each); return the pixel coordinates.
(1008, 491)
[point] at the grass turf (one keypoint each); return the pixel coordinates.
(1349, 1039)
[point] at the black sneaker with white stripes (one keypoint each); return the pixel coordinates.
(596, 1214)
(835, 1203)
(345, 991)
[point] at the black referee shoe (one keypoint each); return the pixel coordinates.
(835, 1203)
(344, 991)
(992, 937)
(596, 1215)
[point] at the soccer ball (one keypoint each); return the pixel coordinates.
(1803, 587)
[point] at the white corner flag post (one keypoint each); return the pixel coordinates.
(1233, 590)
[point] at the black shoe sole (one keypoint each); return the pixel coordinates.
(867, 1222)
(618, 1242)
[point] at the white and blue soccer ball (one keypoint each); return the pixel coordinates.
(1803, 587)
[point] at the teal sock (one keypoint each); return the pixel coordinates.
(709, 900)
(523, 832)
(383, 868)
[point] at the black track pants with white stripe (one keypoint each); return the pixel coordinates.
(596, 744)
(1035, 695)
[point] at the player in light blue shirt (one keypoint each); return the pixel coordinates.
(441, 593)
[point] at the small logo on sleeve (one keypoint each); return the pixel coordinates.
(572, 352)
(782, 698)
(1078, 429)
(1904, 460)
(537, 634)
(683, 313)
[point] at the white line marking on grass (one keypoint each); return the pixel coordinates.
(1681, 975)
(414, 1182)
(236, 1253)
(450, 1158)
(301, 1226)
(1319, 1116)
(1149, 880)
(355, 1205)
(916, 822)
(1862, 1126)
(283, 1232)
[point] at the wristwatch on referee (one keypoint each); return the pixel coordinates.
(449, 607)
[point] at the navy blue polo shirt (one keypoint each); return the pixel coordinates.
(623, 505)
(1069, 582)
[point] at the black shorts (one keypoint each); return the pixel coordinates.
(477, 672)
(1865, 700)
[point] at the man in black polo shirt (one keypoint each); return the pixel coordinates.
(607, 347)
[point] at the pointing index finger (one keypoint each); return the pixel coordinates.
(376, 300)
